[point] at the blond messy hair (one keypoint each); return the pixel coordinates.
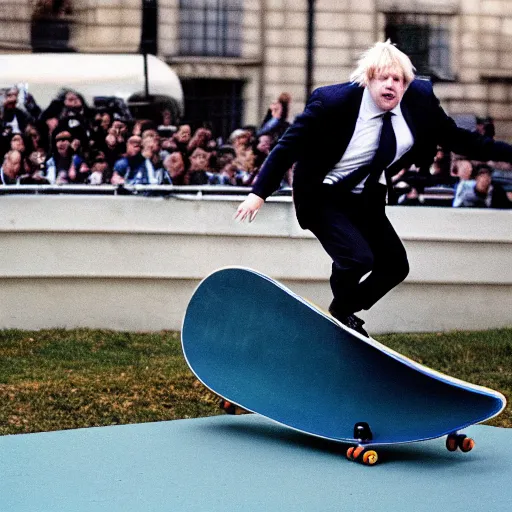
(379, 57)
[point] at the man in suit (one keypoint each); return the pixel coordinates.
(346, 145)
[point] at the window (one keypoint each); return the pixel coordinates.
(50, 28)
(425, 38)
(215, 104)
(210, 27)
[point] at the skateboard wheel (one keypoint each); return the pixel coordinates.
(370, 457)
(466, 444)
(227, 407)
(452, 442)
(355, 453)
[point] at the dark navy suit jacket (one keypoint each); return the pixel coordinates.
(319, 136)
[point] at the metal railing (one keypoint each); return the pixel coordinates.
(182, 191)
(432, 196)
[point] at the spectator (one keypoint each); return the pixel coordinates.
(175, 167)
(119, 137)
(201, 139)
(61, 160)
(105, 122)
(79, 172)
(34, 170)
(240, 139)
(72, 114)
(102, 124)
(139, 126)
(226, 176)
(198, 173)
(182, 138)
(462, 169)
(167, 145)
(485, 127)
(439, 172)
(112, 150)
(99, 170)
(151, 152)
(121, 127)
(265, 144)
(18, 143)
(410, 197)
(35, 140)
(480, 192)
(132, 167)
(245, 157)
(224, 155)
(276, 122)
(14, 119)
(11, 171)
(166, 128)
(51, 124)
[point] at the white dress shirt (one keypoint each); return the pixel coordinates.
(365, 140)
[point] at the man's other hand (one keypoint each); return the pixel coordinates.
(249, 208)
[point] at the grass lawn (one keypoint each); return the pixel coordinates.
(61, 379)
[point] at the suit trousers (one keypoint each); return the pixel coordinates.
(368, 257)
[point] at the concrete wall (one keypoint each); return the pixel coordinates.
(131, 263)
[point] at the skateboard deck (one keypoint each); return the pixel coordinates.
(260, 346)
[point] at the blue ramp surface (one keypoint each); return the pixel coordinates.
(244, 463)
(258, 345)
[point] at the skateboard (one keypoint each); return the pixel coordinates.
(261, 347)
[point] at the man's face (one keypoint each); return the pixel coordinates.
(17, 143)
(174, 164)
(199, 160)
(72, 102)
(133, 146)
(483, 182)
(63, 144)
(387, 88)
(11, 98)
(184, 134)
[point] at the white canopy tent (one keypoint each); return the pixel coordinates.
(92, 75)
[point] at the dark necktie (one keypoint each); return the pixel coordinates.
(386, 151)
(385, 154)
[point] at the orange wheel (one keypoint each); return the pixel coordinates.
(466, 444)
(350, 453)
(370, 457)
(358, 450)
(452, 442)
(228, 407)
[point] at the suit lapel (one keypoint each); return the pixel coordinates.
(344, 122)
(409, 119)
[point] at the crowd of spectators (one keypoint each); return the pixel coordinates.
(465, 183)
(72, 143)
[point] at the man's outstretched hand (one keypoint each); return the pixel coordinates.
(249, 208)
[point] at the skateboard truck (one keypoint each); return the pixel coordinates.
(362, 432)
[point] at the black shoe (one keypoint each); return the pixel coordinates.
(355, 323)
(352, 321)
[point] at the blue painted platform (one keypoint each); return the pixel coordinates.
(244, 463)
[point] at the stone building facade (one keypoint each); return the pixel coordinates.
(238, 55)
